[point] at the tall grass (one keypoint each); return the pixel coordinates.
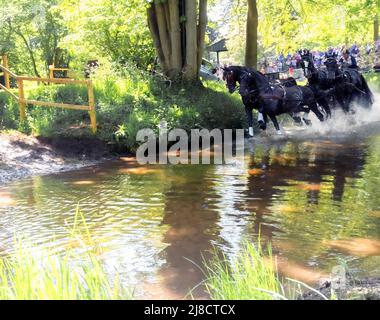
(248, 277)
(251, 275)
(32, 273)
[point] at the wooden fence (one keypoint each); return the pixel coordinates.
(52, 68)
(7, 81)
(23, 102)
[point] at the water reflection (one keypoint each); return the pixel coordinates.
(316, 201)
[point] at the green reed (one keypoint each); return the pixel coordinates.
(34, 273)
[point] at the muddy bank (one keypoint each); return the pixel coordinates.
(22, 156)
(360, 289)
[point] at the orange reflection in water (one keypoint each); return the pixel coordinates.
(6, 200)
(283, 159)
(309, 187)
(375, 213)
(361, 247)
(84, 182)
(255, 172)
(137, 170)
(298, 272)
(128, 159)
(286, 208)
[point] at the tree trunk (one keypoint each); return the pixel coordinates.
(251, 36)
(153, 27)
(376, 28)
(175, 38)
(179, 44)
(31, 53)
(191, 67)
(202, 29)
(163, 32)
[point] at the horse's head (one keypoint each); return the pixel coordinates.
(332, 67)
(306, 62)
(231, 77)
(331, 64)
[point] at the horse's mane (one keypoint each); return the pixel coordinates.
(241, 69)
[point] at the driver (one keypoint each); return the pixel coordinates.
(348, 60)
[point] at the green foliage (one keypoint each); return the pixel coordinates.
(290, 25)
(127, 100)
(38, 33)
(112, 29)
(373, 80)
(9, 112)
(32, 31)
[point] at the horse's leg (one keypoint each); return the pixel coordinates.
(296, 117)
(343, 102)
(324, 104)
(265, 118)
(260, 120)
(314, 107)
(305, 117)
(275, 123)
(248, 111)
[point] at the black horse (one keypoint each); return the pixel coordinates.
(269, 99)
(334, 87)
(349, 85)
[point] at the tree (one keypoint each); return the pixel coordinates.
(110, 30)
(34, 27)
(251, 37)
(178, 30)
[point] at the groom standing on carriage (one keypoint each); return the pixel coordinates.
(348, 60)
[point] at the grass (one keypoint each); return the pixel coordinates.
(126, 100)
(373, 79)
(251, 275)
(248, 277)
(32, 273)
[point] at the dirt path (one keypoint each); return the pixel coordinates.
(22, 156)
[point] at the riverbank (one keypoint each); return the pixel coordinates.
(23, 155)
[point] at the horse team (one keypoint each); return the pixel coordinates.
(327, 89)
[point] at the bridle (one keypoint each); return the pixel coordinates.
(312, 71)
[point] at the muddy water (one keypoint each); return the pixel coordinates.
(315, 198)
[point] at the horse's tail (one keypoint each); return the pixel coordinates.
(369, 95)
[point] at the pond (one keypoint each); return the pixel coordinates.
(316, 199)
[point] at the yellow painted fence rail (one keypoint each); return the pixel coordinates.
(23, 102)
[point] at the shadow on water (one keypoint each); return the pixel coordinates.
(316, 200)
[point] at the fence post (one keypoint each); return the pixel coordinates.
(6, 74)
(91, 103)
(51, 71)
(22, 104)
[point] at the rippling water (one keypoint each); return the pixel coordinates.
(317, 200)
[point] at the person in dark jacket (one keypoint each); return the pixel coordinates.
(348, 60)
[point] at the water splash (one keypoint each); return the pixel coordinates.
(341, 124)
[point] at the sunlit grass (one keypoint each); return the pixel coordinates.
(247, 277)
(252, 275)
(35, 273)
